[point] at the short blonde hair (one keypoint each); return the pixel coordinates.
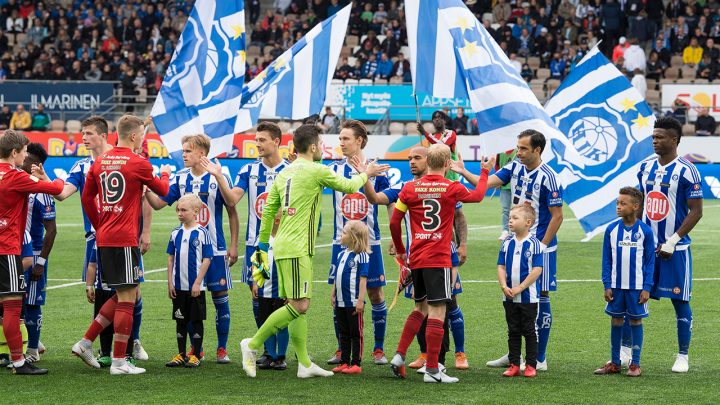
(438, 154)
(191, 199)
(127, 124)
(527, 211)
(359, 236)
(198, 141)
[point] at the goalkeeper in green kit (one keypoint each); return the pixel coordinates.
(296, 194)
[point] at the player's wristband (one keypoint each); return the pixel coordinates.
(264, 246)
(674, 239)
(41, 261)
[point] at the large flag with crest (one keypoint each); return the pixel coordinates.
(294, 86)
(453, 55)
(202, 87)
(610, 126)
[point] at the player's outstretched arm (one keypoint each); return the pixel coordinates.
(68, 190)
(231, 195)
(38, 182)
(88, 199)
(375, 198)
(459, 168)
(478, 194)
(154, 201)
(159, 186)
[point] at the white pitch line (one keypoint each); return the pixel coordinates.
(82, 282)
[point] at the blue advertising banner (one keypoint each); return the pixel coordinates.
(399, 171)
(73, 99)
(370, 102)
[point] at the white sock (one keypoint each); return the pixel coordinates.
(118, 362)
(19, 363)
(32, 351)
(86, 343)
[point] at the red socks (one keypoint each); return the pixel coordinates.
(103, 319)
(412, 326)
(11, 328)
(123, 327)
(433, 336)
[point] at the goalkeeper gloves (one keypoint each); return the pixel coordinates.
(260, 264)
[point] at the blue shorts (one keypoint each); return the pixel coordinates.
(376, 274)
(218, 275)
(26, 250)
(625, 303)
(548, 278)
(35, 289)
(673, 276)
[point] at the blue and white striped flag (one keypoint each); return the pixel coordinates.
(295, 84)
(453, 55)
(202, 88)
(610, 125)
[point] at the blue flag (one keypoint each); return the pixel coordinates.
(609, 125)
(453, 55)
(294, 85)
(202, 87)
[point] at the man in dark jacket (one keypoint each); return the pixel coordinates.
(611, 15)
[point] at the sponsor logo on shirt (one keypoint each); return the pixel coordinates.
(626, 243)
(260, 204)
(354, 206)
(676, 290)
(291, 211)
(203, 216)
(657, 206)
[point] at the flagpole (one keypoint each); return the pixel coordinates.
(417, 108)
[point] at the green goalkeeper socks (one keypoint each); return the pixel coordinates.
(276, 322)
(298, 329)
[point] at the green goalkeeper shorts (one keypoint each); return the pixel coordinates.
(295, 277)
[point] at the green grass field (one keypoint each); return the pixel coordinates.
(579, 341)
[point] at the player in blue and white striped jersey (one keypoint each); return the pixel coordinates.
(190, 252)
(195, 179)
(673, 206)
(42, 229)
(520, 263)
(355, 206)
(627, 274)
(254, 180)
(534, 183)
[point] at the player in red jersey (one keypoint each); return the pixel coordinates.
(431, 202)
(118, 178)
(15, 186)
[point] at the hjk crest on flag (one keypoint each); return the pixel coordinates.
(203, 84)
(453, 55)
(295, 84)
(610, 125)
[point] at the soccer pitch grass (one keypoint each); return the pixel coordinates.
(579, 340)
